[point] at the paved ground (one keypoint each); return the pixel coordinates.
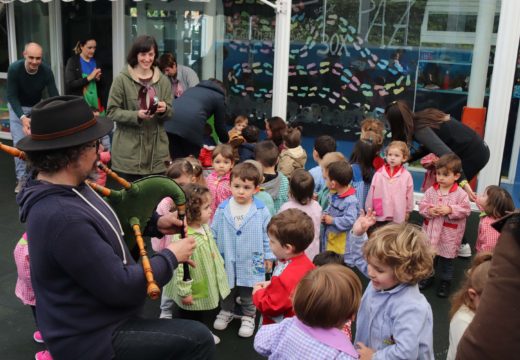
(17, 323)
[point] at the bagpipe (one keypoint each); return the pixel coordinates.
(134, 205)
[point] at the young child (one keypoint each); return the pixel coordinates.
(275, 183)
(246, 151)
(24, 290)
(324, 300)
(293, 156)
(241, 122)
(342, 211)
(466, 300)
(181, 171)
(219, 179)
(290, 233)
(198, 171)
(260, 193)
(323, 194)
(240, 229)
(391, 192)
(395, 320)
(208, 282)
(323, 145)
(363, 170)
(495, 203)
(372, 131)
(445, 208)
(302, 189)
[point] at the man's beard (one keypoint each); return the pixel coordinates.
(93, 175)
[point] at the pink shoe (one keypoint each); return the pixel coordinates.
(43, 355)
(37, 336)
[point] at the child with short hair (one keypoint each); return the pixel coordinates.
(260, 193)
(219, 179)
(328, 257)
(301, 192)
(329, 158)
(324, 300)
(465, 301)
(240, 229)
(246, 150)
(342, 211)
(391, 191)
(181, 171)
(293, 156)
(208, 283)
(445, 208)
(275, 183)
(290, 233)
(395, 320)
(24, 290)
(495, 203)
(323, 145)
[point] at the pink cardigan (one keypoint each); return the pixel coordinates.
(220, 189)
(391, 197)
(445, 232)
(487, 237)
(24, 290)
(313, 209)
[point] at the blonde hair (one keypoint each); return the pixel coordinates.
(372, 130)
(404, 247)
(401, 146)
(328, 296)
(476, 278)
(198, 171)
(331, 157)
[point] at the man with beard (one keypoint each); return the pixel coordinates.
(27, 79)
(89, 290)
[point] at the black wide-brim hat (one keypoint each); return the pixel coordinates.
(63, 121)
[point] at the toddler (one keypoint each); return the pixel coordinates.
(260, 193)
(323, 145)
(181, 171)
(208, 282)
(372, 131)
(293, 156)
(445, 208)
(24, 290)
(246, 150)
(301, 191)
(240, 229)
(495, 203)
(323, 196)
(275, 183)
(241, 123)
(363, 170)
(395, 320)
(198, 171)
(391, 192)
(290, 233)
(466, 300)
(219, 179)
(343, 208)
(324, 300)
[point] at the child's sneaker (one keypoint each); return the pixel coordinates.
(37, 336)
(464, 251)
(247, 328)
(216, 339)
(165, 314)
(223, 319)
(43, 355)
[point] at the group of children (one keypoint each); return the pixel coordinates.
(259, 218)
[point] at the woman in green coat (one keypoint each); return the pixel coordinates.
(139, 103)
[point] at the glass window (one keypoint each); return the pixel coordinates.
(34, 30)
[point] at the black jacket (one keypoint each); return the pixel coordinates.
(75, 82)
(192, 110)
(246, 151)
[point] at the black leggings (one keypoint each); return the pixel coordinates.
(181, 148)
(474, 160)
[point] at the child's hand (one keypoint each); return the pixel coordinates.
(188, 300)
(268, 265)
(260, 285)
(444, 210)
(364, 222)
(365, 352)
(327, 219)
(433, 211)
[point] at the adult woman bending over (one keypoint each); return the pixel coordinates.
(139, 102)
(439, 133)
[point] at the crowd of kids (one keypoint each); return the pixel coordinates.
(277, 240)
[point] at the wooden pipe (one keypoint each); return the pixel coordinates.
(152, 289)
(125, 184)
(12, 151)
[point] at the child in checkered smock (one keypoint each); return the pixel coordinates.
(495, 203)
(445, 208)
(219, 180)
(324, 300)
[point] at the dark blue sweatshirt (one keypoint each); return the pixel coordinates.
(85, 281)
